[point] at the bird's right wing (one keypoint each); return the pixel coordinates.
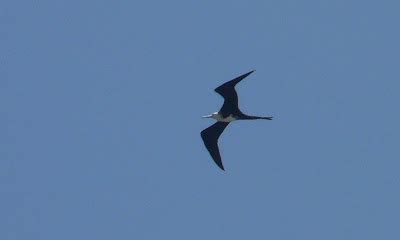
(228, 92)
(210, 137)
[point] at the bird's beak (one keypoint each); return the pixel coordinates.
(207, 116)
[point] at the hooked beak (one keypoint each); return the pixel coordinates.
(207, 116)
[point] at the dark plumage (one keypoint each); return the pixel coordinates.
(229, 112)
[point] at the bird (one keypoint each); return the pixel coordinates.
(228, 113)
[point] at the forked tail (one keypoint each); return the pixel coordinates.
(267, 118)
(246, 117)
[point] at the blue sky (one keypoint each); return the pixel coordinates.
(101, 104)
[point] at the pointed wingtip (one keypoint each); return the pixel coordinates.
(246, 74)
(222, 167)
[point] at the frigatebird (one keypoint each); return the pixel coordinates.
(229, 112)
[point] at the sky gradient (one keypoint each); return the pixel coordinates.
(101, 105)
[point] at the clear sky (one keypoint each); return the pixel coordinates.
(100, 105)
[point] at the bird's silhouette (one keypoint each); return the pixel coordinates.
(229, 112)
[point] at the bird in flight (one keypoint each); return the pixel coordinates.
(229, 112)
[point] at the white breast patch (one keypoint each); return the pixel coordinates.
(230, 118)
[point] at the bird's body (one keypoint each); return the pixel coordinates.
(220, 117)
(229, 112)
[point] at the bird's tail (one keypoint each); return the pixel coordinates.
(267, 118)
(246, 117)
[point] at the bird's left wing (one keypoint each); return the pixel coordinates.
(210, 137)
(227, 91)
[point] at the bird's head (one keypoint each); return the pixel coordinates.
(212, 115)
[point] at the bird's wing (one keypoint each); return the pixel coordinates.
(227, 91)
(210, 137)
